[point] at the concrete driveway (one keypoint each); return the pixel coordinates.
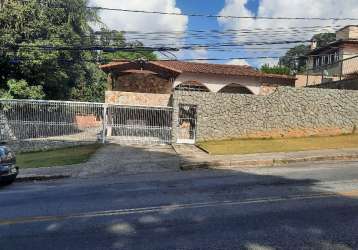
(132, 159)
(115, 159)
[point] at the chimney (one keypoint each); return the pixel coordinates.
(313, 44)
(348, 33)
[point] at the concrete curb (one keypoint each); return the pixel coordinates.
(41, 178)
(262, 163)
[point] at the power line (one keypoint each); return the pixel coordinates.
(201, 32)
(88, 48)
(102, 60)
(154, 38)
(224, 16)
(296, 28)
(143, 48)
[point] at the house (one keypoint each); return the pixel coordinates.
(151, 83)
(333, 62)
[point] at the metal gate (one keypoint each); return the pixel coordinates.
(60, 121)
(138, 125)
(186, 131)
(51, 121)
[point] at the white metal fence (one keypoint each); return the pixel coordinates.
(83, 122)
(341, 70)
(148, 125)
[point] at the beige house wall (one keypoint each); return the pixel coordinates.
(217, 82)
(348, 33)
(145, 89)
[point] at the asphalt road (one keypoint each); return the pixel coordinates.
(305, 206)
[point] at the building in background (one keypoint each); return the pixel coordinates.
(334, 62)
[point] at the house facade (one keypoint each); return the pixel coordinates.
(333, 62)
(345, 46)
(151, 83)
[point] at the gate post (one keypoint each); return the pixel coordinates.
(104, 133)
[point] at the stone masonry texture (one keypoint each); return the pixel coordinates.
(137, 99)
(142, 83)
(287, 112)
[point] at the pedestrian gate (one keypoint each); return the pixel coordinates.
(186, 130)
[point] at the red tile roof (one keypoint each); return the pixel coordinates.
(206, 68)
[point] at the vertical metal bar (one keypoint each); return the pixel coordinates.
(307, 78)
(104, 125)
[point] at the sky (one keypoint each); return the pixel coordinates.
(261, 30)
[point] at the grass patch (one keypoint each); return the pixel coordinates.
(58, 157)
(252, 146)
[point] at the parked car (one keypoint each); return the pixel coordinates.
(8, 169)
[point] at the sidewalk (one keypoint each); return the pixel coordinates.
(112, 160)
(115, 160)
(193, 157)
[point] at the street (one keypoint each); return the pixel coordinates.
(301, 206)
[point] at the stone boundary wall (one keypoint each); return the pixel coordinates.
(287, 112)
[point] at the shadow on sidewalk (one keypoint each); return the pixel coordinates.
(285, 214)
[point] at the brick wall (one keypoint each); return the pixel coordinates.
(137, 99)
(288, 112)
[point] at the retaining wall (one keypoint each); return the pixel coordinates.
(287, 112)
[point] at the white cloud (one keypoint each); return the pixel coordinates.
(278, 30)
(285, 8)
(269, 61)
(242, 62)
(195, 53)
(124, 21)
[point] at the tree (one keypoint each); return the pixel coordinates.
(279, 70)
(21, 90)
(31, 33)
(295, 58)
(116, 38)
(25, 27)
(324, 39)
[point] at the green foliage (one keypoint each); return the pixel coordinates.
(21, 90)
(324, 38)
(279, 70)
(92, 91)
(63, 74)
(116, 39)
(295, 58)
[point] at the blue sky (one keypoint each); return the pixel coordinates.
(263, 30)
(201, 6)
(199, 23)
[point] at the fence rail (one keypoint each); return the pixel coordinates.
(140, 124)
(24, 120)
(341, 70)
(71, 121)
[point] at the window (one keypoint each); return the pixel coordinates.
(336, 56)
(236, 89)
(192, 86)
